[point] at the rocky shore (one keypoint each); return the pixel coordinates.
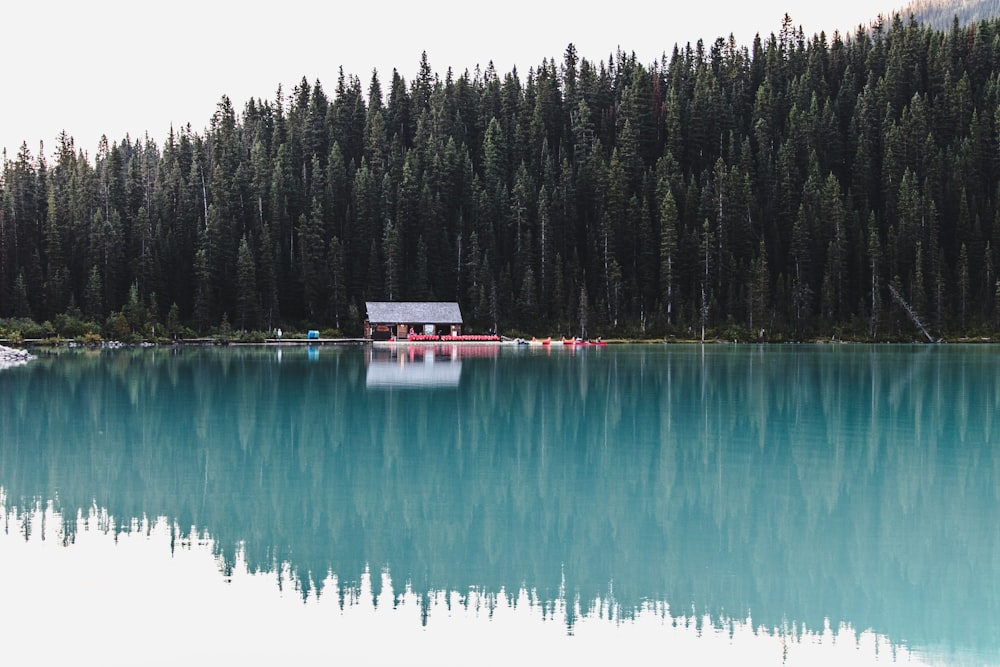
(11, 357)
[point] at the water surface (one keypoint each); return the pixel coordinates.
(789, 503)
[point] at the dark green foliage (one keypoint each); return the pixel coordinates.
(247, 302)
(778, 187)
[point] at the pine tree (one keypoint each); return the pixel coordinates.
(22, 304)
(56, 288)
(93, 300)
(134, 310)
(338, 287)
(313, 267)
(874, 263)
(707, 243)
(419, 284)
(964, 284)
(247, 300)
(760, 293)
(668, 254)
(174, 321)
(204, 305)
(392, 250)
(802, 292)
(612, 219)
(267, 279)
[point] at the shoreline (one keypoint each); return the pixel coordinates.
(15, 356)
(20, 354)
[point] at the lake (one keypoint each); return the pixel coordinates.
(439, 505)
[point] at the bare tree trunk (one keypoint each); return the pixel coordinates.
(909, 311)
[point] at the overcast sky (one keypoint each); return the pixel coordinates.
(118, 67)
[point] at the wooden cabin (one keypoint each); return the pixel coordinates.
(385, 320)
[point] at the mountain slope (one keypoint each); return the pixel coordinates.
(940, 14)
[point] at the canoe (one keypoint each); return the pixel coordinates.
(583, 343)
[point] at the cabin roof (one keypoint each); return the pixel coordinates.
(413, 312)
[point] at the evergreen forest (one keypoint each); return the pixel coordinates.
(789, 189)
(941, 14)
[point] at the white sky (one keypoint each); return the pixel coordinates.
(118, 67)
(130, 600)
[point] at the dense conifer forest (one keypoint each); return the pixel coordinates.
(833, 186)
(940, 14)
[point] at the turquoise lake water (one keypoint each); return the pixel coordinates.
(474, 505)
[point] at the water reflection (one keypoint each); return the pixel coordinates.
(206, 603)
(795, 486)
(414, 367)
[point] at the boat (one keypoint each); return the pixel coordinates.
(579, 342)
(545, 341)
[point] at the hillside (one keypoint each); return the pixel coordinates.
(941, 14)
(792, 188)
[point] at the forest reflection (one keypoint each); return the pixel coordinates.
(444, 627)
(814, 485)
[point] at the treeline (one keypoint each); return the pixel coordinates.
(789, 188)
(941, 14)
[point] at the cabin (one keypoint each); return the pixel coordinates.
(385, 320)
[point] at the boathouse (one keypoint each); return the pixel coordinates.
(396, 319)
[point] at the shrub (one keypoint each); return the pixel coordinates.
(117, 328)
(224, 332)
(90, 339)
(251, 337)
(71, 326)
(43, 330)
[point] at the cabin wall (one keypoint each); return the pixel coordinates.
(387, 330)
